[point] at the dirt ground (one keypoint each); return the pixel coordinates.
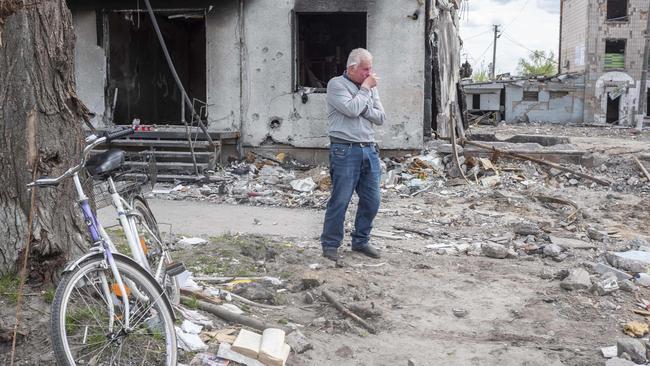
(433, 296)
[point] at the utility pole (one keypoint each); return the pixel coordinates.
(494, 50)
(643, 94)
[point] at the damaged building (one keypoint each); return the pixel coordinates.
(604, 40)
(259, 68)
(602, 44)
(557, 99)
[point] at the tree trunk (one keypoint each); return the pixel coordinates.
(40, 126)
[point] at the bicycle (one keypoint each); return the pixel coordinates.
(107, 308)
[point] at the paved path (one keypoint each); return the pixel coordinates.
(204, 218)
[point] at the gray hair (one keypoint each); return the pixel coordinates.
(357, 55)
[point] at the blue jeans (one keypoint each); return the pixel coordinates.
(352, 168)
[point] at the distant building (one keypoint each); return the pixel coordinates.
(604, 40)
(555, 100)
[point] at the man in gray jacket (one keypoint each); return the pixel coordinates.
(353, 107)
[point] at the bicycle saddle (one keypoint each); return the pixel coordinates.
(103, 164)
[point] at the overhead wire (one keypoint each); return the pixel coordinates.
(526, 48)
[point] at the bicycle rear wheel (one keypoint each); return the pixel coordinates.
(88, 316)
(152, 245)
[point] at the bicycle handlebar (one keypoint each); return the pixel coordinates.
(107, 137)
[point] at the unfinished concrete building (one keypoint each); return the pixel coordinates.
(558, 99)
(604, 40)
(258, 68)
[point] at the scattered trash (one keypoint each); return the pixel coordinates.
(191, 241)
(208, 359)
(303, 185)
(190, 342)
(635, 329)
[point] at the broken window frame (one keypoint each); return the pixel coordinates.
(295, 20)
(530, 96)
(617, 19)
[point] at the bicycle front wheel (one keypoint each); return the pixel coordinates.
(89, 316)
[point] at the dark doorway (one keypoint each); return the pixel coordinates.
(647, 104)
(476, 101)
(613, 109)
(138, 71)
(324, 42)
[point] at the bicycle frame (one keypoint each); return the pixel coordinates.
(94, 228)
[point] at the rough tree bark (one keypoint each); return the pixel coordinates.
(40, 127)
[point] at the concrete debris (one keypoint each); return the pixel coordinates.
(552, 250)
(578, 279)
(634, 348)
(632, 261)
(298, 342)
(208, 359)
(494, 250)
(619, 362)
(602, 268)
(609, 352)
(606, 285)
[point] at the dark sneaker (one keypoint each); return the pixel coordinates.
(332, 254)
(369, 251)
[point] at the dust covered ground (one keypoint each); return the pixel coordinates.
(435, 296)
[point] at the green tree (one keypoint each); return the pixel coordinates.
(539, 63)
(480, 75)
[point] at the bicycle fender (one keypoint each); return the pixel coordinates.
(73, 264)
(130, 261)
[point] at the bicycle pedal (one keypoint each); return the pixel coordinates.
(173, 269)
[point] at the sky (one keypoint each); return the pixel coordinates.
(526, 24)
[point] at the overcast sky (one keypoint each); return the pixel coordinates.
(534, 24)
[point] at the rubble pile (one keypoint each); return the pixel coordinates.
(283, 181)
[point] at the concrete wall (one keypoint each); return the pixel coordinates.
(574, 35)
(90, 64)
(397, 44)
(223, 69)
(557, 102)
(250, 51)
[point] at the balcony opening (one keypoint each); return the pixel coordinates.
(324, 43)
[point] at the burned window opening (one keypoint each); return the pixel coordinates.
(617, 10)
(614, 54)
(324, 42)
(138, 72)
(531, 96)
